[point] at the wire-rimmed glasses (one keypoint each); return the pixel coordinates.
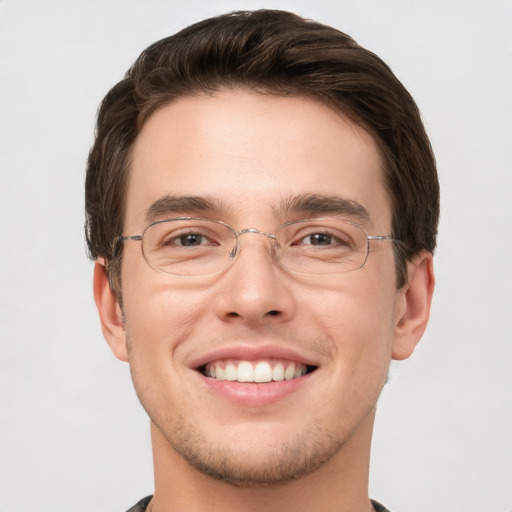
(190, 246)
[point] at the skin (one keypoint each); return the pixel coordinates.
(308, 449)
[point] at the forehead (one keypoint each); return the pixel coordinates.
(249, 153)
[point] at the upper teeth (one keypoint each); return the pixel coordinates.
(255, 371)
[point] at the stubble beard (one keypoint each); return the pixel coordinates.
(247, 467)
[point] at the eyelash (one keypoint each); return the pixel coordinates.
(171, 240)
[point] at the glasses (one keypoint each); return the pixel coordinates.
(188, 246)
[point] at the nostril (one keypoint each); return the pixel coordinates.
(273, 312)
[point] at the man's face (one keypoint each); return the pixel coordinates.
(251, 156)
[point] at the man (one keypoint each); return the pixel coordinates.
(262, 205)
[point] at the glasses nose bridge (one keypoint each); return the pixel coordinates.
(274, 243)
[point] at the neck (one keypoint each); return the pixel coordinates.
(340, 484)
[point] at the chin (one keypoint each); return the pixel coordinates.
(253, 461)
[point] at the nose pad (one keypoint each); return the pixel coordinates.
(273, 243)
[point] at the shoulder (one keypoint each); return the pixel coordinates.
(378, 507)
(141, 505)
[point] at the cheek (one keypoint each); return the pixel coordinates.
(357, 315)
(162, 317)
(159, 319)
(356, 321)
(159, 313)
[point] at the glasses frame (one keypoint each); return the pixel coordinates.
(237, 234)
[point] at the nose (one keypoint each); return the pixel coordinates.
(255, 290)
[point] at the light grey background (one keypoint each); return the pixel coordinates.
(72, 434)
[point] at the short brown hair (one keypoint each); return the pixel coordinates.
(271, 52)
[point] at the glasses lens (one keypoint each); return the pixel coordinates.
(187, 247)
(323, 246)
(198, 247)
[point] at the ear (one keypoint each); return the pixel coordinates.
(413, 306)
(111, 316)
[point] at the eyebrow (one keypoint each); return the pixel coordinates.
(185, 205)
(307, 205)
(311, 205)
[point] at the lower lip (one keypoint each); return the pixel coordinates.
(252, 394)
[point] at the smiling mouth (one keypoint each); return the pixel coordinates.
(259, 371)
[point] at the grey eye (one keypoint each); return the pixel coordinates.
(318, 239)
(190, 240)
(324, 239)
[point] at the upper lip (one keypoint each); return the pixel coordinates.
(252, 353)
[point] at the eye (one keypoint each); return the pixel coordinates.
(318, 239)
(324, 239)
(188, 239)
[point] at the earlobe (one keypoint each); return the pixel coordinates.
(111, 317)
(413, 306)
